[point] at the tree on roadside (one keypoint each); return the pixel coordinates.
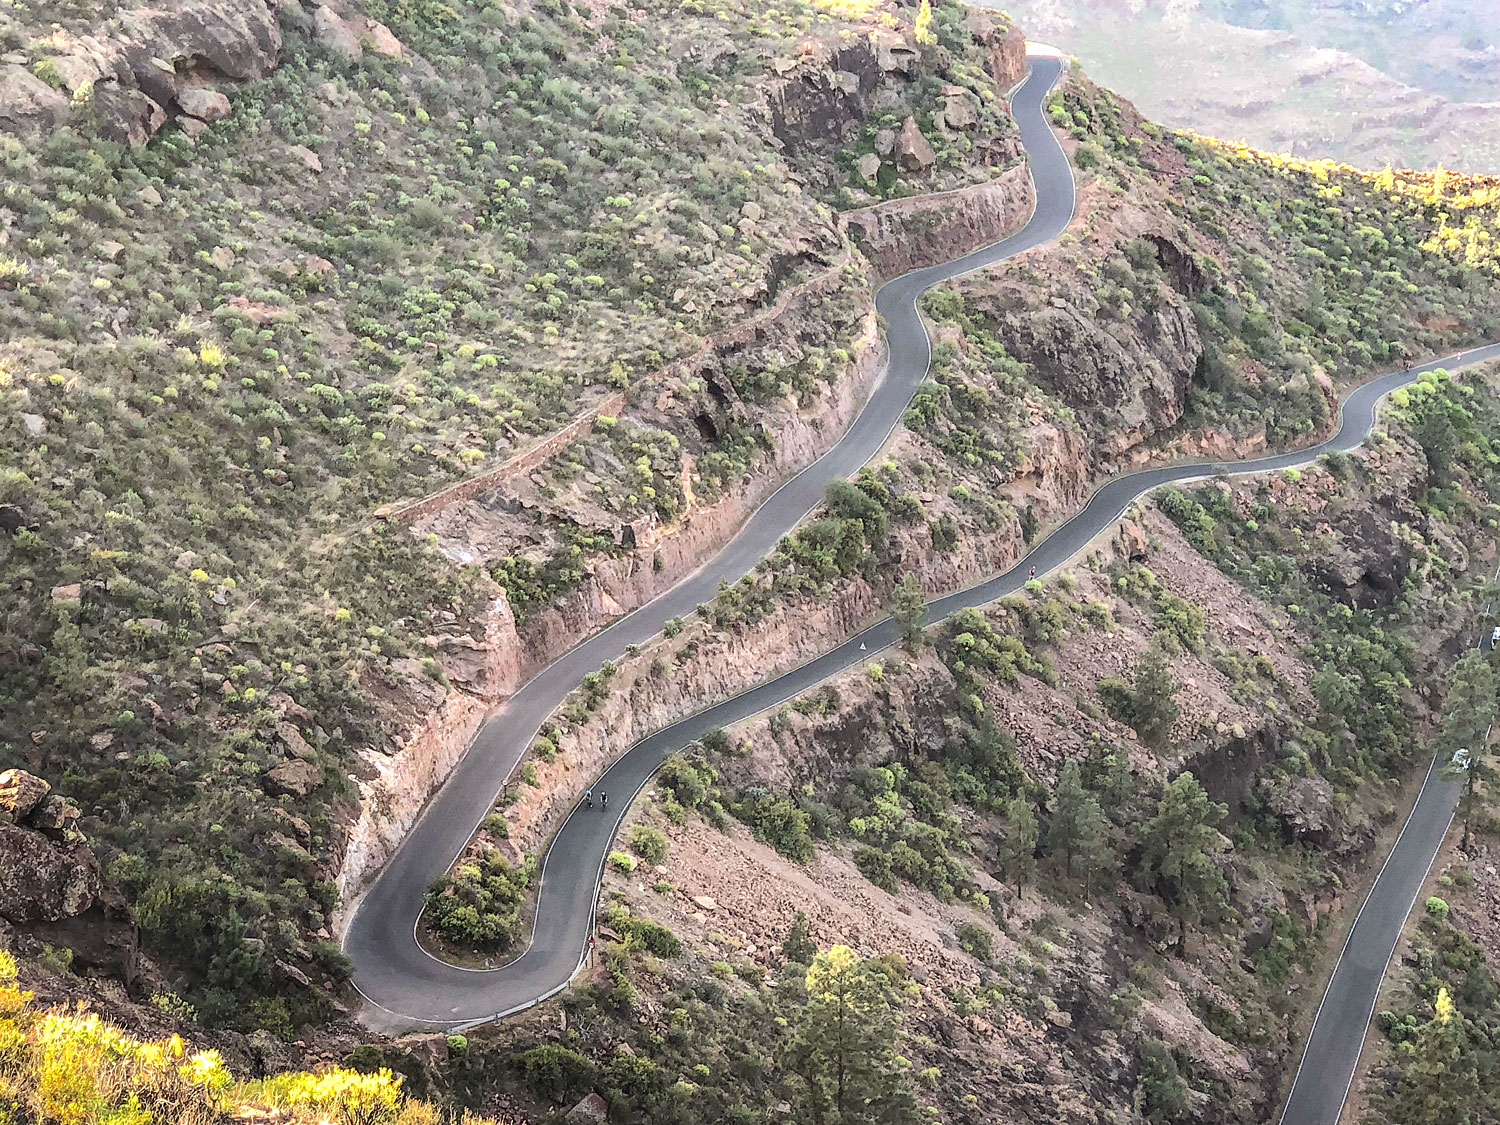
(1178, 846)
(1440, 1084)
(909, 611)
(1017, 855)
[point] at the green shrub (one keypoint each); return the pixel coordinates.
(974, 940)
(648, 843)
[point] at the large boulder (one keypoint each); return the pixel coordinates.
(24, 96)
(51, 885)
(1304, 806)
(203, 103)
(331, 32)
(293, 778)
(593, 1109)
(42, 880)
(913, 150)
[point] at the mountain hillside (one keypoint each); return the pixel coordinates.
(357, 360)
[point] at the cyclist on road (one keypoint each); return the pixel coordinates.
(604, 800)
(1033, 572)
(588, 797)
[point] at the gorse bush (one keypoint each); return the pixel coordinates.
(74, 1067)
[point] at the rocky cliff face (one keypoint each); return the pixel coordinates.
(875, 94)
(51, 885)
(1126, 374)
(903, 234)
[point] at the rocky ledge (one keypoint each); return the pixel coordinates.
(142, 68)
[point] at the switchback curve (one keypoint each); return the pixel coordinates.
(405, 985)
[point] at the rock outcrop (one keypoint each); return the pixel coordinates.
(51, 884)
(1006, 47)
(147, 66)
(904, 234)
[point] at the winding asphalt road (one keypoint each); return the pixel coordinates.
(406, 987)
(392, 971)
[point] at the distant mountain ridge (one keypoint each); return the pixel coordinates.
(1422, 90)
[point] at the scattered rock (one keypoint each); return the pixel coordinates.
(1133, 542)
(869, 167)
(295, 823)
(705, 902)
(72, 592)
(1258, 934)
(35, 424)
(149, 195)
(960, 110)
(430, 1050)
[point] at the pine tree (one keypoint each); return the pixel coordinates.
(843, 1047)
(1078, 829)
(1178, 846)
(1091, 842)
(1118, 786)
(909, 610)
(1468, 711)
(1154, 708)
(924, 23)
(1017, 856)
(798, 947)
(1068, 801)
